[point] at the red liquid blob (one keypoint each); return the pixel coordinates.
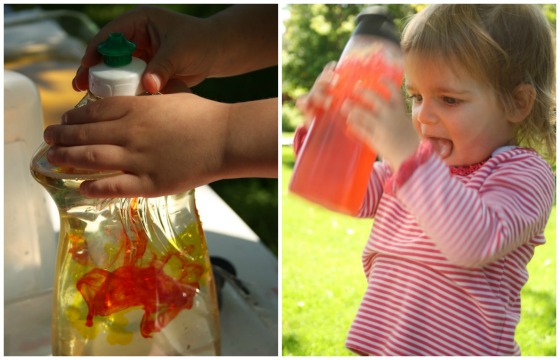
(135, 284)
(161, 296)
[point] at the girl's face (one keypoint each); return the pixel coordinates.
(458, 114)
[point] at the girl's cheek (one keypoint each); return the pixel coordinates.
(415, 122)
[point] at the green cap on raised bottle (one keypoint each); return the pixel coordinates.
(116, 50)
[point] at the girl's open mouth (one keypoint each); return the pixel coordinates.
(442, 147)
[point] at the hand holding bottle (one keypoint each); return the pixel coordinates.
(333, 164)
(165, 144)
(383, 123)
(231, 42)
(319, 98)
(378, 118)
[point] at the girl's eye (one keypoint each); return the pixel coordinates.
(450, 101)
(415, 98)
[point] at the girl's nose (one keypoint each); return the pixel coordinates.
(425, 114)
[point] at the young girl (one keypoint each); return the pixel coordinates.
(460, 199)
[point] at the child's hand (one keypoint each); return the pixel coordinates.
(160, 38)
(234, 41)
(159, 147)
(166, 144)
(318, 97)
(384, 125)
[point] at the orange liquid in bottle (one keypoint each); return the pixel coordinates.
(333, 167)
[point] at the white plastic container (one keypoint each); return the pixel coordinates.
(29, 235)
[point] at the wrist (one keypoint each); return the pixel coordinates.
(202, 134)
(405, 170)
(407, 148)
(215, 44)
(251, 140)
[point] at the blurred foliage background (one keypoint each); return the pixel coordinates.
(255, 200)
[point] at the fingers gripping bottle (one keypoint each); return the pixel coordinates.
(133, 276)
(333, 166)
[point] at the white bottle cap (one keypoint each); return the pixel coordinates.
(105, 81)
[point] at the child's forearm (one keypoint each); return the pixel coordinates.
(473, 226)
(247, 39)
(251, 140)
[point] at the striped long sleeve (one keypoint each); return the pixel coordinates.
(446, 258)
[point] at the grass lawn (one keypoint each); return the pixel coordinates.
(323, 282)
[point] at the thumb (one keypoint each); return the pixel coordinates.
(152, 82)
(159, 70)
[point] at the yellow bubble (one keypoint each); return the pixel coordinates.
(115, 338)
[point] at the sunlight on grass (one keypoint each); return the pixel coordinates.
(536, 332)
(323, 280)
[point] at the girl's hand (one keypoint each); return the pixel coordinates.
(318, 97)
(381, 120)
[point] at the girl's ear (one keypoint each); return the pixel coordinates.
(524, 98)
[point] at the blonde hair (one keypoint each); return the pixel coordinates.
(501, 45)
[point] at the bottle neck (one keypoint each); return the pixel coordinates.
(106, 81)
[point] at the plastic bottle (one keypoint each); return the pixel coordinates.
(133, 275)
(333, 167)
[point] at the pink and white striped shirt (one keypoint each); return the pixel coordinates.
(446, 258)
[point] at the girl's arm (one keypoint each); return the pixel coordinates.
(474, 226)
(376, 186)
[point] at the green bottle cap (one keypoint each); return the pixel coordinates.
(116, 50)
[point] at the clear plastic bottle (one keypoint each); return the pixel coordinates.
(333, 167)
(133, 275)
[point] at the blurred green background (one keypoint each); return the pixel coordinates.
(254, 200)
